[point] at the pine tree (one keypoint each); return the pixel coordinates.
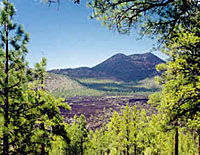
(179, 98)
(79, 136)
(114, 130)
(29, 114)
(126, 129)
(99, 141)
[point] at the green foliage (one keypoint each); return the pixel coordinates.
(179, 98)
(114, 129)
(78, 136)
(29, 115)
(176, 24)
(133, 132)
(180, 81)
(99, 142)
(153, 17)
(59, 146)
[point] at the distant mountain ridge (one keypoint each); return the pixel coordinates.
(118, 67)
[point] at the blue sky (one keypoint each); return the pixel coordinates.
(69, 39)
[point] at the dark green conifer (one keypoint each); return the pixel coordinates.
(30, 115)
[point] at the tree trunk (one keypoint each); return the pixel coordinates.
(127, 150)
(135, 145)
(127, 146)
(135, 149)
(81, 146)
(199, 141)
(43, 137)
(176, 142)
(6, 104)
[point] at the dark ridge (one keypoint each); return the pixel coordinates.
(118, 67)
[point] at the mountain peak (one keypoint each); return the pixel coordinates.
(119, 55)
(120, 67)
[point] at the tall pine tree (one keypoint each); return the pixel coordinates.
(30, 115)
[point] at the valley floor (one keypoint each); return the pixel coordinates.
(99, 109)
